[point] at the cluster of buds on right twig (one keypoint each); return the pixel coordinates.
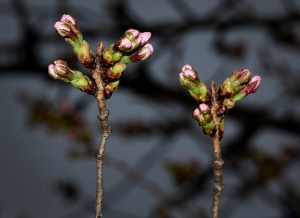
(130, 48)
(235, 88)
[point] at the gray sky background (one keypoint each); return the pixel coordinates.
(31, 160)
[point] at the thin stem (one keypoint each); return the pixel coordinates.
(106, 130)
(218, 161)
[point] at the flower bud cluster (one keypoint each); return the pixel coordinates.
(205, 120)
(237, 87)
(68, 29)
(130, 48)
(60, 70)
(188, 77)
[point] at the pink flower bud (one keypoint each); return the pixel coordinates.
(60, 67)
(181, 76)
(189, 72)
(68, 29)
(186, 67)
(204, 108)
(51, 72)
(146, 52)
(239, 77)
(144, 37)
(132, 34)
(124, 44)
(68, 18)
(253, 84)
(62, 29)
(196, 113)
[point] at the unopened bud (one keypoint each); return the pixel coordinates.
(66, 31)
(123, 44)
(251, 87)
(205, 120)
(110, 88)
(143, 54)
(188, 77)
(51, 72)
(68, 19)
(253, 84)
(107, 57)
(63, 29)
(144, 38)
(239, 77)
(85, 84)
(116, 56)
(131, 34)
(85, 55)
(60, 70)
(114, 73)
(231, 86)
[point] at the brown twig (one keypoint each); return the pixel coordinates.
(106, 129)
(218, 161)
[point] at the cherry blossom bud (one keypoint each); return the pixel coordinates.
(239, 77)
(253, 84)
(203, 116)
(132, 41)
(68, 19)
(146, 52)
(110, 88)
(231, 86)
(188, 77)
(123, 44)
(116, 56)
(71, 22)
(107, 57)
(85, 55)
(144, 38)
(85, 84)
(251, 87)
(114, 73)
(132, 34)
(51, 72)
(60, 70)
(143, 54)
(63, 29)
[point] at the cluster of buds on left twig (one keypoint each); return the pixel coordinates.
(235, 88)
(68, 29)
(130, 48)
(60, 70)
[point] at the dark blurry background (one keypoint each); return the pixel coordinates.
(158, 163)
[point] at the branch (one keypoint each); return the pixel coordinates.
(106, 130)
(218, 161)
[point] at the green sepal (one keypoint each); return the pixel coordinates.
(80, 82)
